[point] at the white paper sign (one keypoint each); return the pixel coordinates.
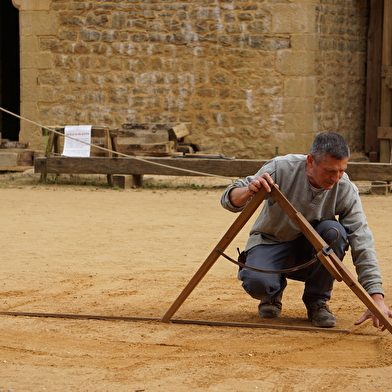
(73, 148)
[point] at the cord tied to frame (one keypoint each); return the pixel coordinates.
(112, 151)
(327, 250)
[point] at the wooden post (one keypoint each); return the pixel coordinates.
(228, 237)
(386, 84)
(373, 78)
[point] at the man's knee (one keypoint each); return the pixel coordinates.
(332, 231)
(258, 285)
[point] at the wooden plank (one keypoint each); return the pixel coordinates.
(149, 126)
(5, 144)
(136, 136)
(147, 148)
(15, 168)
(236, 168)
(8, 158)
(178, 132)
(359, 171)
(373, 78)
(26, 158)
(223, 167)
(384, 132)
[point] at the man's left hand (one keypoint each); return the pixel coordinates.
(379, 299)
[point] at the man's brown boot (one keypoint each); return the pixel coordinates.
(270, 309)
(321, 316)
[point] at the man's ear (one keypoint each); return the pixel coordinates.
(310, 160)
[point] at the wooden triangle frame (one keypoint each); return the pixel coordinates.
(333, 264)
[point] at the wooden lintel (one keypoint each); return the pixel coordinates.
(235, 168)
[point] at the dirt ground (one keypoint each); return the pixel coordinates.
(89, 249)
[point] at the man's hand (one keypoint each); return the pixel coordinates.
(239, 196)
(263, 180)
(379, 299)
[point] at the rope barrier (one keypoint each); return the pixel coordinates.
(112, 151)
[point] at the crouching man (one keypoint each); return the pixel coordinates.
(318, 187)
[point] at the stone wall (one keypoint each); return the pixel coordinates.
(254, 78)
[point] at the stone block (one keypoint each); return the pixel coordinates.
(293, 63)
(28, 5)
(28, 77)
(380, 188)
(8, 159)
(300, 87)
(122, 181)
(297, 142)
(300, 122)
(28, 93)
(298, 105)
(46, 94)
(28, 43)
(38, 23)
(44, 61)
(305, 42)
(293, 18)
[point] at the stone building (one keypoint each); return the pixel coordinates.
(255, 78)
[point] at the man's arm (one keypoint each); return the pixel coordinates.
(239, 196)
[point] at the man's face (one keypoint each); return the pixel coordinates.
(327, 173)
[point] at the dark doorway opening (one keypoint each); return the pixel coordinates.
(9, 70)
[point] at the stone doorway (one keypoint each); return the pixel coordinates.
(9, 70)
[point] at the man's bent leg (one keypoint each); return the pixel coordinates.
(264, 286)
(319, 284)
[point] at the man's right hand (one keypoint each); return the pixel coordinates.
(239, 196)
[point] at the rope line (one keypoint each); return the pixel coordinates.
(112, 151)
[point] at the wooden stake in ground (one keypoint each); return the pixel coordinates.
(329, 260)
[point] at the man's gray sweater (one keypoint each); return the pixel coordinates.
(342, 202)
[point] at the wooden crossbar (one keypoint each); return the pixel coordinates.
(331, 262)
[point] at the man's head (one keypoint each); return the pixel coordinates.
(329, 143)
(327, 160)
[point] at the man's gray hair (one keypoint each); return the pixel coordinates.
(329, 143)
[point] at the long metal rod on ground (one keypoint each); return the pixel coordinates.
(174, 321)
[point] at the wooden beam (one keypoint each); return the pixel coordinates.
(373, 77)
(222, 167)
(235, 168)
(386, 93)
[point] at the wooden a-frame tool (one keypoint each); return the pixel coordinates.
(329, 259)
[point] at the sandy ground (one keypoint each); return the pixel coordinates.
(93, 250)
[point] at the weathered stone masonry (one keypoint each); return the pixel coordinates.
(251, 76)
